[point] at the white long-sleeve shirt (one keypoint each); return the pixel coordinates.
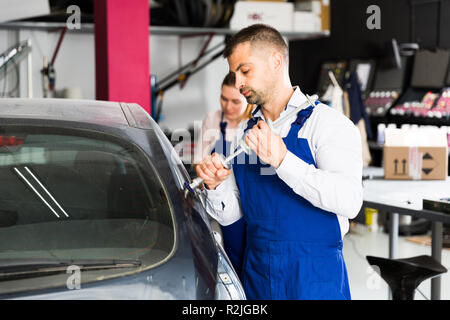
(335, 185)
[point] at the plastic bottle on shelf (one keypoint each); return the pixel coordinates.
(392, 126)
(380, 135)
(405, 126)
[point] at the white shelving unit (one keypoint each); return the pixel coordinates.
(154, 30)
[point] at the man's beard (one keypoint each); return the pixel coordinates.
(254, 98)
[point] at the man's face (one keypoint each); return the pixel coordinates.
(254, 77)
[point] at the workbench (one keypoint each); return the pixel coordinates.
(395, 197)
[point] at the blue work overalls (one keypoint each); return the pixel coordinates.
(293, 249)
(233, 234)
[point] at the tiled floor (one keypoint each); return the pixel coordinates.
(365, 284)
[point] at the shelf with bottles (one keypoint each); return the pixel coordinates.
(432, 105)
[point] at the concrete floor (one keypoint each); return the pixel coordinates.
(365, 284)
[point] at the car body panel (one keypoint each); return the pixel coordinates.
(190, 273)
(83, 111)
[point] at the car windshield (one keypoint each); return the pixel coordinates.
(72, 195)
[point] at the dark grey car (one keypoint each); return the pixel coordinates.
(93, 206)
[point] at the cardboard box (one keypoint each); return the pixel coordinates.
(306, 22)
(314, 6)
(321, 8)
(325, 15)
(276, 14)
(415, 163)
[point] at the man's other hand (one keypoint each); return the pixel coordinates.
(269, 146)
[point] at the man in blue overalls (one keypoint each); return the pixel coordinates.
(297, 187)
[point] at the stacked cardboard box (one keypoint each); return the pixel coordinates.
(301, 16)
(311, 16)
(277, 14)
(415, 154)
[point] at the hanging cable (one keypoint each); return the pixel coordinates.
(200, 55)
(188, 70)
(189, 64)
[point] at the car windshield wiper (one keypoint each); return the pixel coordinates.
(12, 268)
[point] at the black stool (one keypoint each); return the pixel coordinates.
(404, 275)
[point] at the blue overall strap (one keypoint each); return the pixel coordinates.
(253, 120)
(223, 127)
(303, 115)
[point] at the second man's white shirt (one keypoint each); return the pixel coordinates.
(335, 185)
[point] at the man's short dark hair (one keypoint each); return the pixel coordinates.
(256, 33)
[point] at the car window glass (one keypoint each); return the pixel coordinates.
(78, 195)
(177, 167)
(142, 119)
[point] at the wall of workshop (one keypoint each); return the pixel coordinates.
(350, 37)
(201, 94)
(74, 64)
(75, 67)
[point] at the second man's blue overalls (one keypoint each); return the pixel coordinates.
(293, 249)
(233, 234)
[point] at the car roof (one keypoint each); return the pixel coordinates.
(91, 111)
